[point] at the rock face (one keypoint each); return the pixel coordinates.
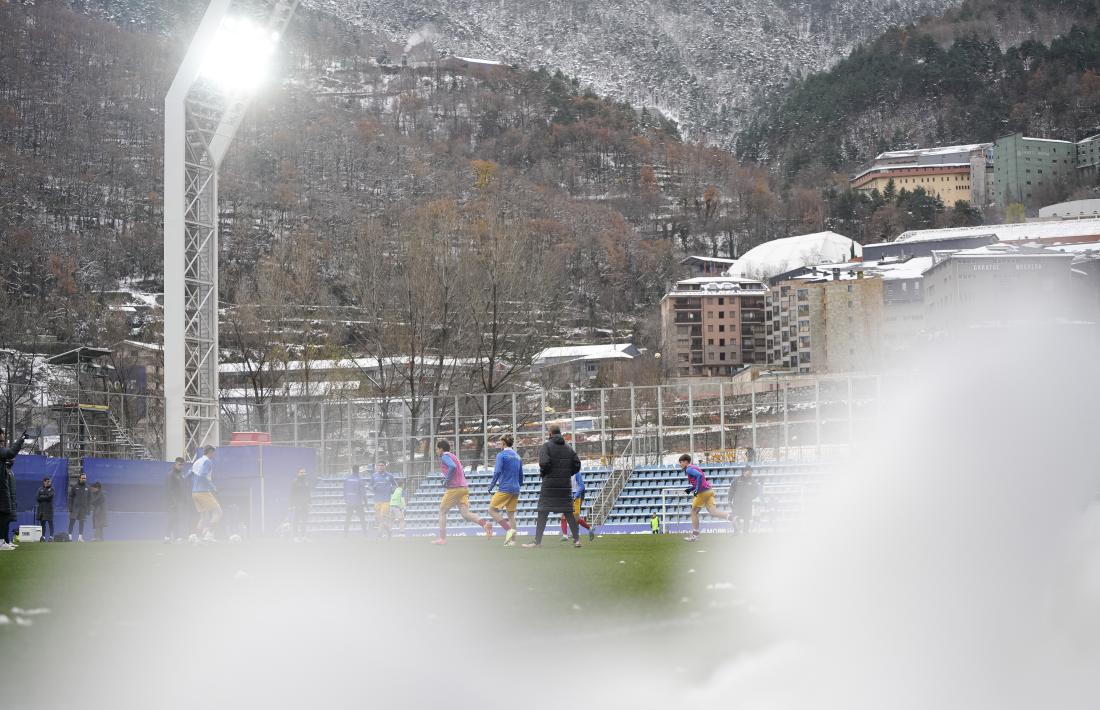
(704, 63)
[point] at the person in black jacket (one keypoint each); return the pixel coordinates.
(98, 504)
(80, 505)
(8, 505)
(557, 464)
(743, 491)
(44, 510)
(177, 501)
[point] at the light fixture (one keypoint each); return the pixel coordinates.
(239, 55)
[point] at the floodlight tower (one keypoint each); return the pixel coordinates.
(225, 63)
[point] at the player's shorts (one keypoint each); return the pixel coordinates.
(205, 502)
(577, 503)
(381, 509)
(453, 497)
(505, 501)
(702, 499)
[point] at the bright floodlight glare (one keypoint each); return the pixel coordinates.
(239, 55)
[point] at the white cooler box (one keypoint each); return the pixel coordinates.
(30, 533)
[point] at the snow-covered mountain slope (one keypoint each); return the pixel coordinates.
(701, 62)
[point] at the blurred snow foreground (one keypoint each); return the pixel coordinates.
(954, 565)
(958, 564)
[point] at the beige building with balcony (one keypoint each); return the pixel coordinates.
(713, 326)
(822, 323)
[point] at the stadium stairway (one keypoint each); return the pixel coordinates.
(787, 488)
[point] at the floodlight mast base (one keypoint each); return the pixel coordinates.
(200, 121)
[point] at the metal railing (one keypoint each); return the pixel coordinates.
(779, 416)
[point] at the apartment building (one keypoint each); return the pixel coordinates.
(713, 326)
(827, 321)
(1033, 171)
(952, 173)
(997, 284)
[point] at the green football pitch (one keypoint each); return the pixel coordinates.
(617, 581)
(131, 605)
(616, 576)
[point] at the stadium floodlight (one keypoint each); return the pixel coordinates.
(226, 62)
(239, 55)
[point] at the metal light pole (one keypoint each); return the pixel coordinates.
(204, 106)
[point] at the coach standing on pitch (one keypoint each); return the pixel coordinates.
(8, 506)
(557, 464)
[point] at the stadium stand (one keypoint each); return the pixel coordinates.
(787, 486)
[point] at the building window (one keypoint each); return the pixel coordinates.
(721, 314)
(721, 329)
(710, 328)
(721, 301)
(803, 294)
(721, 356)
(710, 341)
(850, 288)
(721, 342)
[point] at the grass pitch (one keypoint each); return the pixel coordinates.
(636, 575)
(630, 594)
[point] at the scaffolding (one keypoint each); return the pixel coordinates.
(91, 418)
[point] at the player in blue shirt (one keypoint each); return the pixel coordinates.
(576, 483)
(202, 494)
(382, 485)
(508, 475)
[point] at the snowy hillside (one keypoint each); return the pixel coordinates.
(700, 62)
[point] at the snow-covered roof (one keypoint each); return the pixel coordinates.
(139, 345)
(782, 255)
(942, 150)
(360, 363)
(900, 167)
(708, 259)
(294, 389)
(1047, 140)
(1079, 248)
(911, 269)
(1026, 231)
(1073, 209)
(887, 269)
(611, 351)
(999, 250)
(474, 60)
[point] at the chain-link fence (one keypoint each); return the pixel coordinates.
(788, 418)
(780, 417)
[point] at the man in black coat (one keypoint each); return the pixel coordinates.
(98, 504)
(8, 505)
(80, 505)
(177, 501)
(44, 510)
(743, 491)
(557, 464)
